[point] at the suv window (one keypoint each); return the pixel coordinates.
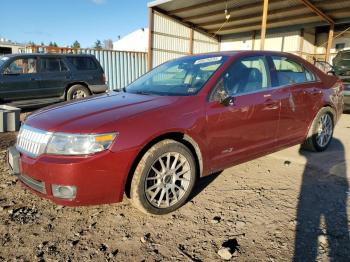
(82, 63)
(291, 72)
(22, 66)
(52, 64)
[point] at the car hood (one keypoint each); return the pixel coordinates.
(96, 114)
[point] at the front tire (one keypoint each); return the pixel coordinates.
(77, 92)
(164, 178)
(321, 131)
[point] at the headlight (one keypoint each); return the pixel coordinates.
(71, 144)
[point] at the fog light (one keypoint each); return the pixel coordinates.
(66, 192)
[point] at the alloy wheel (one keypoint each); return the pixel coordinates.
(325, 130)
(79, 94)
(167, 180)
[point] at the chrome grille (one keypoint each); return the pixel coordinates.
(32, 141)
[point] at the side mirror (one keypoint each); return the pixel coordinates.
(228, 101)
(331, 72)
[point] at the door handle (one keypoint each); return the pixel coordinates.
(315, 91)
(271, 104)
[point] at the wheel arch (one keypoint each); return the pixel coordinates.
(180, 137)
(333, 112)
(75, 83)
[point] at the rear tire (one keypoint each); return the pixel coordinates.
(164, 178)
(77, 92)
(321, 131)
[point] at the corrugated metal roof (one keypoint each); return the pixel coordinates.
(245, 15)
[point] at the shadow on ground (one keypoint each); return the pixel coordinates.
(322, 221)
(202, 184)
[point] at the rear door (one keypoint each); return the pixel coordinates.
(86, 69)
(54, 76)
(304, 93)
(20, 79)
(248, 126)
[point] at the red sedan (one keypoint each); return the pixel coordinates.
(185, 119)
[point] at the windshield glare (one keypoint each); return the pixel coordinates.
(3, 60)
(180, 77)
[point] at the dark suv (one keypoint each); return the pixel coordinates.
(341, 67)
(32, 79)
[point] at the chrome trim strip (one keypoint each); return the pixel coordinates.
(34, 184)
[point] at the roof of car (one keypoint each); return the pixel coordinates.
(46, 54)
(243, 52)
(344, 51)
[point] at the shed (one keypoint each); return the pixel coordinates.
(305, 27)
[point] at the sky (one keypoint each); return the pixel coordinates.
(64, 21)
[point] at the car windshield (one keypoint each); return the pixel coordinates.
(180, 77)
(3, 59)
(343, 61)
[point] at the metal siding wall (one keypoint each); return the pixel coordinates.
(171, 40)
(204, 44)
(121, 68)
(239, 43)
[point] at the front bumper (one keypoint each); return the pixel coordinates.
(98, 179)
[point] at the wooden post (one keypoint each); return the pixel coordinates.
(263, 24)
(150, 39)
(191, 41)
(301, 43)
(330, 42)
(253, 40)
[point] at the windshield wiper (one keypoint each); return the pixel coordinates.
(140, 92)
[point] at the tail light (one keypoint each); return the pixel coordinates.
(104, 78)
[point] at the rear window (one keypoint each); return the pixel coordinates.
(345, 56)
(291, 72)
(83, 63)
(52, 64)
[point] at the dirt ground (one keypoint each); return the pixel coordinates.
(287, 205)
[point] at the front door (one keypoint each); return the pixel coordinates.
(20, 80)
(248, 126)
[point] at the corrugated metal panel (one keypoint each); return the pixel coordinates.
(171, 39)
(287, 42)
(170, 43)
(163, 24)
(200, 47)
(121, 68)
(309, 41)
(203, 43)
(202, 37)
(239, 43)
(160, 57)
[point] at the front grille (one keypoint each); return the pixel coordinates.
(34, 184)
(32, 141)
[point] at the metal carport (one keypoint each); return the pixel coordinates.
(184, 27)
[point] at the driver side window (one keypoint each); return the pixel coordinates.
(246, 75)
(22, 66)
